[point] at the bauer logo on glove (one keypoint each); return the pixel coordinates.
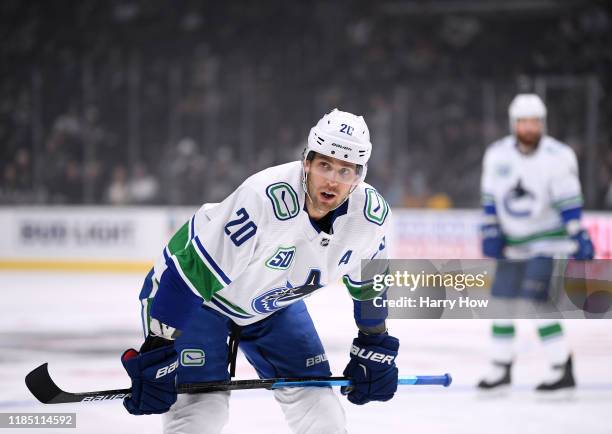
(166, 370)
(371, 355)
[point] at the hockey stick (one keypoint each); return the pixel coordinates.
(43, 387)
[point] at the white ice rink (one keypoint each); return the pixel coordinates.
(80, 324)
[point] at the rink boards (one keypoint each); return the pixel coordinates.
(128, 239)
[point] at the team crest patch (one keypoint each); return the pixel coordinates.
(284, 200)
(376, 207)
(282, 259)
(283, 296)
(193, 357)
(519, 202)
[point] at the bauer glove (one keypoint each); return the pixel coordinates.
(153, 375)
(585, 250)
(493, 242)
(372, 369)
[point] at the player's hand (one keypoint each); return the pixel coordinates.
(585, 250)
(372, 369)
(493, 242)
(153, 375)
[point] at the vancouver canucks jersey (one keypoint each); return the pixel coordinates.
(258, 251)
(528, 192)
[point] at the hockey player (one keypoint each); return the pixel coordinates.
(240, 270)
(532, 207)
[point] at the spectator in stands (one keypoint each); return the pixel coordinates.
(143, 187)
(118, 192)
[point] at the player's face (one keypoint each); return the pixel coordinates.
(329, 182)
(529, 131)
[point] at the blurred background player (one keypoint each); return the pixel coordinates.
(240, 270)
(532, 203)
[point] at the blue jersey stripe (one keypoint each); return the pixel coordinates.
(358, 283)
(571, 214)
(212, 262)
(143, 318)
(490, 209)
(147, 286)
(229, 312)
(192, 228)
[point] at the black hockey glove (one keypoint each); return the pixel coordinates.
(153, 374)
(372, 368)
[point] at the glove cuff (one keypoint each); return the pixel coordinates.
(371, 339)
(383, 340)
(491, 230)
(573, 227)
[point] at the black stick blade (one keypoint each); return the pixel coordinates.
(41, 385)
(46, 391)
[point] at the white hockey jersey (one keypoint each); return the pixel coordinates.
(258, 251)
(529, 191)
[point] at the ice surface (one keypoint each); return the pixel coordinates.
(80, 324)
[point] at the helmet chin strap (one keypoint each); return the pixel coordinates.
(305, 187)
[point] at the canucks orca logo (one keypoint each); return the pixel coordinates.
(282, 296)
(518, 202)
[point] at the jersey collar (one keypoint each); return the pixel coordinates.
(310, 226)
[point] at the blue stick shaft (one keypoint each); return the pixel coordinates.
(437, 380)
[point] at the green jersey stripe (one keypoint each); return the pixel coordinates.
(361, 290)
(486, 198)
(195, 273)
(503, 331)
(552, 234)
(570, 202)
(179, 239)
(148, 303)
(550, 331)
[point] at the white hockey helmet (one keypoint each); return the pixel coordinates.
(341, 135)
(526, 105)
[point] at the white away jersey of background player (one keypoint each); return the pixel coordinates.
(529, 191)
(257, 251)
